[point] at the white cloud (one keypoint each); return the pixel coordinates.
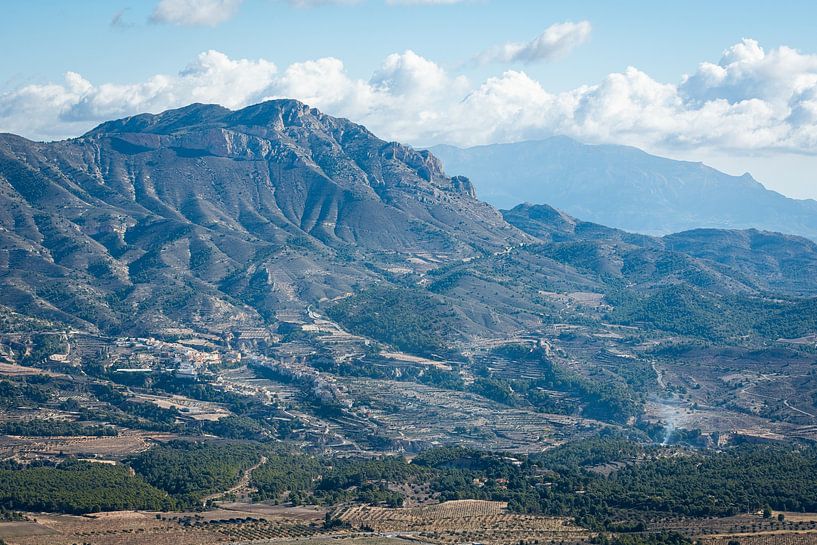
(194, 12)
(215, 12)
(68, 109)
(556, 41)
(746, 71)
(751, 100)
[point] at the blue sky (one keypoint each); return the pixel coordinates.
(421, 73)
(663, 40)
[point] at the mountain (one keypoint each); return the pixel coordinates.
(627, 188)
(205, 219)
(761, 261)
(378, 295)
(203, 215)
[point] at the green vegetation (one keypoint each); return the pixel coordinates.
(77, 487)
(718, 484)
(284, 473)
(10, 516)
(253, 420)
(690, 311)
(663, 538)
(643, 481)
(146, 415)
(604, 400)
(579, 455)
(188, 471)
(410, 320)
(306, 479)
(48, 428)
(640, 480)
(497, 390)
(13, 394)
(14, 322)
(366, 367)
(42, 346)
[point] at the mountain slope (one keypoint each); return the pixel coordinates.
(758, 260)
(626, 188)
(203, 215)
(208, 219)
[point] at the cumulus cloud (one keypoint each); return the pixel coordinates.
(68, 109)
(556, 41)
(747, 72)
(750, 100)
(194, 12)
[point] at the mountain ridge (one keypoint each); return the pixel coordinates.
(203, 218)
(141, 196)
(626, 187)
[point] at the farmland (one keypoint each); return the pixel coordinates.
(464, 521)
(143, 528)
(451, 522)
(448, 523)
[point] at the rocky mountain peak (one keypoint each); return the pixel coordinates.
(281, 130)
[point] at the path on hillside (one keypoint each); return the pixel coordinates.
(243, 483)
(787, 404)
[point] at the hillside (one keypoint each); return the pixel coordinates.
(291, 276)
(203, 218)
(203, 215)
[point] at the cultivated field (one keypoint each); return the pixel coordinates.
(752, 529)
(463, 521)
(772, 538)
(422, 414)
(192, 408)
(143, 528)
(109, 447)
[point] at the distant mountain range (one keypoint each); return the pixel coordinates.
(203, 218)
(626, 188)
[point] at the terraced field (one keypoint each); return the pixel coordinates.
(426, 414)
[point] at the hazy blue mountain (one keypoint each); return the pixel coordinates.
(625, 187)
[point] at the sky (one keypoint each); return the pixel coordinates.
(732, 84)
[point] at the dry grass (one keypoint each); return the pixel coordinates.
(125, 444)
(144, 528)
(11, 370)
(123, 528)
